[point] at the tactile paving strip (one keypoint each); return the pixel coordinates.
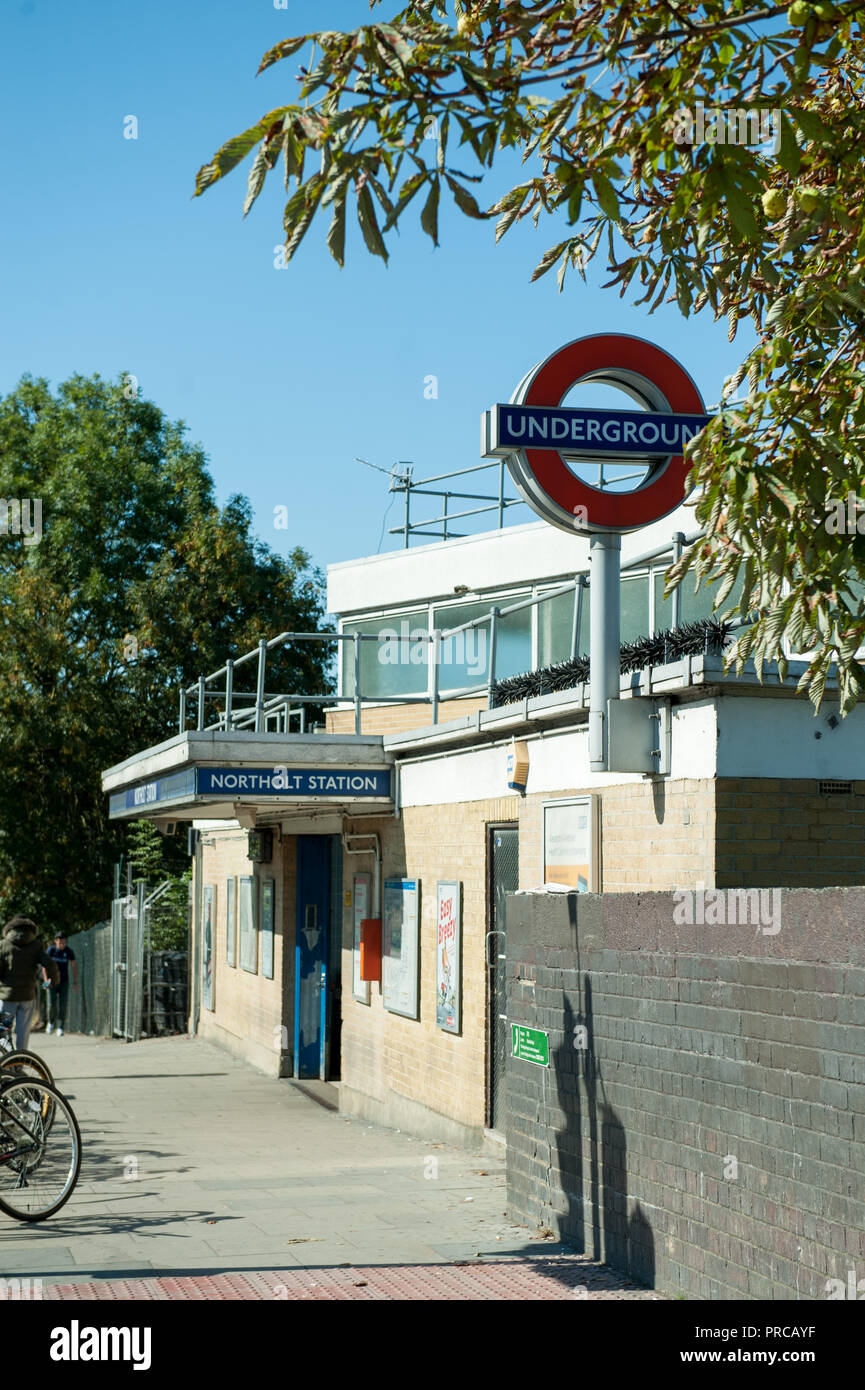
(492, 1280)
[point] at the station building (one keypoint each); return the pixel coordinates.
(427, 797)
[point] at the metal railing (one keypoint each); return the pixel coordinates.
(497, 502)
(260, 711)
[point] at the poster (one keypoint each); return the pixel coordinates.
(448, 897)
(360, 909)
(208, 930)
(246, 923)
(568, 848)
(400, 946)
(231, 921)
(268, 887)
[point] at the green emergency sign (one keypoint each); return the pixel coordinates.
(530, 1045)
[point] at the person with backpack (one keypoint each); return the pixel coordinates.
(21, 955)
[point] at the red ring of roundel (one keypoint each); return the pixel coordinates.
(618, 511)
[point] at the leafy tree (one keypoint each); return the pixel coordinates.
(146, 852)
(138, 584)
(594, 97)
(149, 860)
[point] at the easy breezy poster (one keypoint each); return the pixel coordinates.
(448, 957)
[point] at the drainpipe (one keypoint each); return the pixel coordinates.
(374, 849)
(195, 954)
(605, 553)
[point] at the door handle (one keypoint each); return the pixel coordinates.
(491, 963)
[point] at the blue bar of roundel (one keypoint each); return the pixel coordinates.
(575, 431)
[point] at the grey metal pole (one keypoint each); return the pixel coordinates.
(181, 723)
(201, 702)
(678, 543)
(501, 494)
(357, 697)
(605, 553)
(229, 693)
(433, 682)
(260, 687)
(491, 673)
(577, 625)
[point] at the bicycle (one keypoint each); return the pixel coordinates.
(36, 1176)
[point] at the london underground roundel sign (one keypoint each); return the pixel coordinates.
(537, 435)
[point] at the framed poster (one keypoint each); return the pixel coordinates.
(231, 921)
(569, 843)
(268, 887)
(360, 900)
(448, 950)
(208, 932)
(246, 923)
(400, 958)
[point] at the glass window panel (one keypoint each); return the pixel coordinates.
(465, 657)
(635, 607)
(555, 627)
(695, 606)
(395, 666)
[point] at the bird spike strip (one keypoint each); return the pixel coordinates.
(691, 639)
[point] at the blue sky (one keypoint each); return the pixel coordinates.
(284, 376)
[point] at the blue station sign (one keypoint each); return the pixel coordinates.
(232, 783)
(620, 433)
(293, 781)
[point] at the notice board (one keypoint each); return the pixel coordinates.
(400, 957)
(569, 841)
(246, 922)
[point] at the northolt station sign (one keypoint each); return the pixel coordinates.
(209, 784)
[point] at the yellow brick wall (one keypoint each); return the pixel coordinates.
(248, 1009)
(652, 836)
(782, 833)
(382, 1051)
(398, 719)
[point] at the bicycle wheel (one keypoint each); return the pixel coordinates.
(39, 1160)
(21, 1064)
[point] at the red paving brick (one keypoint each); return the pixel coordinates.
(494, 1280)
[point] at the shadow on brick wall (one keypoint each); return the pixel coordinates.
(597, 1220)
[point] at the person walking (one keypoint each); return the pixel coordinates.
(21, 955)
(63, 957)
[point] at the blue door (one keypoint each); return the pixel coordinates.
(310, 955)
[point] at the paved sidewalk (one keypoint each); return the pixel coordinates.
(197, 1167)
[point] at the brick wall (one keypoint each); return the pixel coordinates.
(248, 1009)
(406, 1066)
(784, 831)
(398, 719)
(707, 1131)
(653, 834)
